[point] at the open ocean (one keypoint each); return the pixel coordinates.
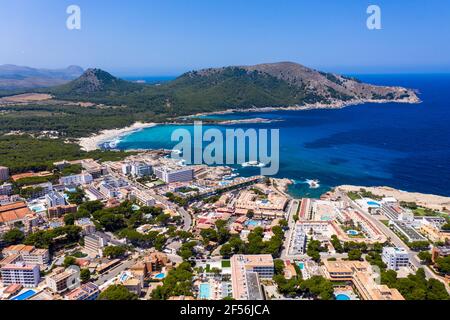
(405, 146)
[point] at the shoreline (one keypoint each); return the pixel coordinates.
(431, 201)
(305, 107)
(93, 142)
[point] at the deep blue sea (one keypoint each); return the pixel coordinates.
(405, 146)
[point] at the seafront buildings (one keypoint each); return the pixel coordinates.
(208, 217)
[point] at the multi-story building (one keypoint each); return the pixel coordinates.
(396, 212)
(62, 279)
(6, 189)
(94, 244)
(169, 175)
(246, 270)
(395, 258)
(87, 291)
(58, 211)
(361, 275)
(298, 244)
(54, 199)
(4, 173)
(141, 169)
(21, 273)
(28, 254)
(77, 179)
(14, 212)
(87, 226)
(143, 197)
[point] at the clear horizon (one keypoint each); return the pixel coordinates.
(167, 38)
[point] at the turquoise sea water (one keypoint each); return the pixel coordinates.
(406, 146)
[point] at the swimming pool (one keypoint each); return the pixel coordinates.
(301, 265)
(205, 291)
(352, 232)
(25, 295)
(252, 223)
(373, 203)
(342, 296)
(37, 208)
(160, 276)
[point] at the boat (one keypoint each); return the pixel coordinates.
(313, 183)
(254, 164)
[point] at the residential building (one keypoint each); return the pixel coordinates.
(62, 279)
(94, 244)
(29, 254)
(395, 258)
(246, 270)
(21, 273)
(169, 175)
(6, 189)
(143, 197)
(87, 291)
(87, 226)
(140, 169)
(298, 244)
(4, 173)
(60, 210)
(406, 230)
(361, 274)
(14, 212)
(54, 199)
(77, 179)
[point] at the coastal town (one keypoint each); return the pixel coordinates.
(151, 228)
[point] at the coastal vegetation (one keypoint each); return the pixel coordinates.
(24, 153)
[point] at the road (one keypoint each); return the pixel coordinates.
(292, 210)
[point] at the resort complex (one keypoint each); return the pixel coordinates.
(92, 230)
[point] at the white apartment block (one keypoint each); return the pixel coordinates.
(174, 175)
(20, 273)
(395, 258)
(77, 179)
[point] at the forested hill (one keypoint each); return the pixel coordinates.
(116, 103)
(266, 85)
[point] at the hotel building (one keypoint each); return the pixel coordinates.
(395, 258)
(246, 270)
(62, 279)
(361, 276)
(20, 273)
(174, 175)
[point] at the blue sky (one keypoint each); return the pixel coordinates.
(167, 37)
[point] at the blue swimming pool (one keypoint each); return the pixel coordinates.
(252, 223)
(25, 295)
(301, 265)
(342, 296)
(352, 232)
(373, 203)
(160, 276)
(205, 291)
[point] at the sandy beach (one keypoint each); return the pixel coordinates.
(426, 200)
(93, 142)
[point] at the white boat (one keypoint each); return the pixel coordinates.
(253, 164)
(313, 184)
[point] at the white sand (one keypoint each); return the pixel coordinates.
(426, 200)
(93, 142)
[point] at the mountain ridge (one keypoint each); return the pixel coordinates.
(14, 77)
(276, 85)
